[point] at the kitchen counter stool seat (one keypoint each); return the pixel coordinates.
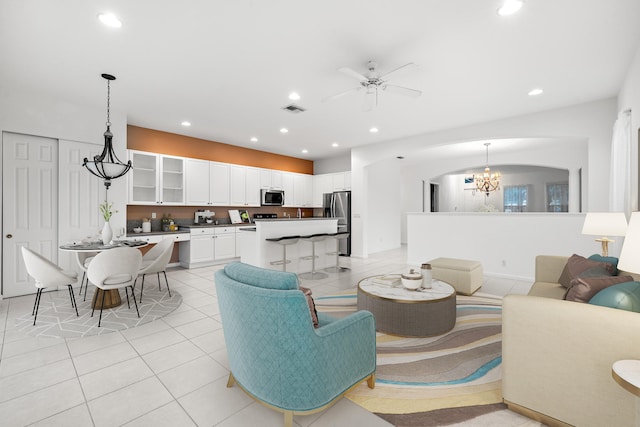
(337, 237)
(313, 274)
(284, 241)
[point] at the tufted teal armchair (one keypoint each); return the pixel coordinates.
(275, 353)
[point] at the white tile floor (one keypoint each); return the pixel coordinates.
(171, 372)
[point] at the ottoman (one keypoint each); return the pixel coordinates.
(464, 275)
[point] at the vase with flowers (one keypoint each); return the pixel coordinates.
(107, 212)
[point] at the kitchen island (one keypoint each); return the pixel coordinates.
(261, 253)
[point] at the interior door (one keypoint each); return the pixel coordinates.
(30, 206)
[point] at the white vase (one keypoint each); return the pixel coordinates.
(107, 233)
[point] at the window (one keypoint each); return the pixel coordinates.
(515, 198)
(558, 197)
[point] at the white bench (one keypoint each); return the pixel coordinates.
(464, 275)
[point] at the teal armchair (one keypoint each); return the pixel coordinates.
(275, 353)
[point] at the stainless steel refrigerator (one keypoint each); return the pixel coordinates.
(338, 205)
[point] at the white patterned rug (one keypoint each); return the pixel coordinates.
(56, 317)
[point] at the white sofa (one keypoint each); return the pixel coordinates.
(557, 356)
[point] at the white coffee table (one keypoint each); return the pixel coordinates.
(399, 311)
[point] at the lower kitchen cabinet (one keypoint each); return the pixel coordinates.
(208, 246)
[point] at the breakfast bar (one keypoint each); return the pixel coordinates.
(258, 251)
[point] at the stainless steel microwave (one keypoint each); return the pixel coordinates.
(271, 197)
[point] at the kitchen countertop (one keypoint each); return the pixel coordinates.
(295, 219)
(131, 233)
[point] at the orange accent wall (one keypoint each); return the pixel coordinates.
(156, 141)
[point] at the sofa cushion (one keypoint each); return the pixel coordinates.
(624, 296)
(311, 304)
(579, 266)
(584, 288)
(261, 277)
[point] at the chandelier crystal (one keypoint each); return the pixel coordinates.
(107, 165)
(487, 181)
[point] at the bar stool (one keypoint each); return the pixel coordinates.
(337, 237)
(284, 241)
(313, 274)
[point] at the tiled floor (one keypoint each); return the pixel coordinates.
(171, 372)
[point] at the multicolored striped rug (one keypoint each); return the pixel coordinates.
(442, 380)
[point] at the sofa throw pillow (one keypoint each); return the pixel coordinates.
(584, 288)
(578, 266)
(609, 259)
(312, 305)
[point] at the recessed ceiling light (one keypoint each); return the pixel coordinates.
(534, 92)
(186, 123)
(284, 130)
(335, 144)
(294, 96)
(509, 7)
(110, 20)
(254, 139)
(305, 151)
(373, 130)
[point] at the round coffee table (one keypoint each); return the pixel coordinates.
(399, 311)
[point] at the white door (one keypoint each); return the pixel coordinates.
(79, 198)
(30, 206)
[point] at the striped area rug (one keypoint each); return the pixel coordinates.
(443, 380)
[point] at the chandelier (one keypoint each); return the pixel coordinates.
(487, 182)
(107, 165)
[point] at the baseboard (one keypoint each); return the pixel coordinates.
(534, 415)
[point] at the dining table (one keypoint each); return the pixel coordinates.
(112, 296)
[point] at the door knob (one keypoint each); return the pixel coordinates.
(9, 236)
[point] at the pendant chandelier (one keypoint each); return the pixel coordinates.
(487, 182)
(107, 165)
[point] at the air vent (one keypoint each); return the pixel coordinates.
(293, 108)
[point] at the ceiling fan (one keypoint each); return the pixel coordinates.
(373, 82)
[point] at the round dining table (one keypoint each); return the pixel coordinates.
(112, 296)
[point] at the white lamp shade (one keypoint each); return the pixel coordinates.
(605, 224)
(630, 255)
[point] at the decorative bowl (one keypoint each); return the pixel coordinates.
(137, 230)
(209, 221)
(411, 280)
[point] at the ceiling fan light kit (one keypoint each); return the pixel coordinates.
(372, 81)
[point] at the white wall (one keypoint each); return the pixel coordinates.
(341, 163)
(588, 124)
(506, 244)
(383, 215)
(629, 97)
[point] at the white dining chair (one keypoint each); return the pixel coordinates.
(155, 261)
(114, 269)
(83, 259)
(47, 275)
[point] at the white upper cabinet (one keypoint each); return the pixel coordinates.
(302, 189)
(156, 179)
(271, 179)
(321, 184)
(287, 187)
(207, 183)
(341, 181)
(245, 186)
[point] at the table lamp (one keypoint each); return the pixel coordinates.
(630, 255)
(605, 224)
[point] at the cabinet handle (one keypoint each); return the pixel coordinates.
(9, 236)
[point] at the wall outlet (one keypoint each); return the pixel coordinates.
(153, 215)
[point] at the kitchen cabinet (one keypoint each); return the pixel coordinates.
(287, 187)
(271, 179)
(321, 184)
(207, 183)
(302, 190)
(208, 245)
(245, 186)
(341, 181)
(156, 179)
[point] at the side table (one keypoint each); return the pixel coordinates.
(627, 374)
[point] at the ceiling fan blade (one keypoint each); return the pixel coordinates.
(413, 93)
(370, 100)
(405, 67)
(341, 94)
(356, 75)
